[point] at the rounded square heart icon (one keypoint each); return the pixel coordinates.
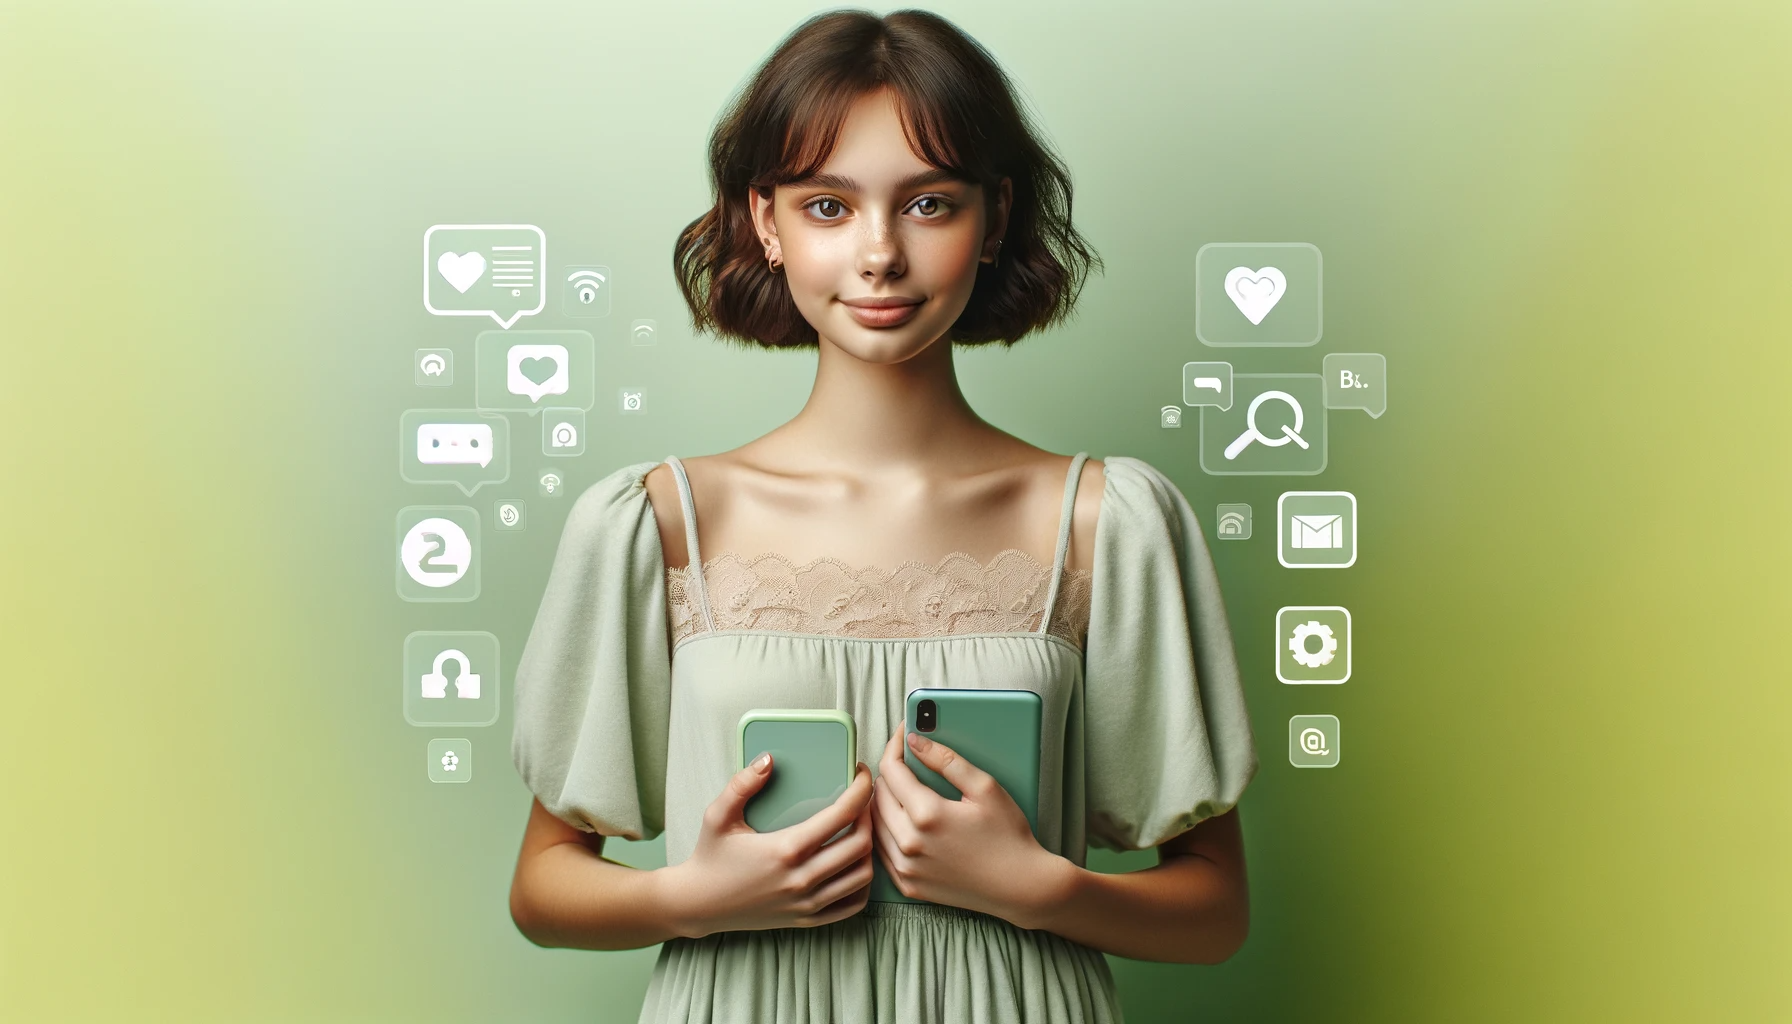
(1260, 294)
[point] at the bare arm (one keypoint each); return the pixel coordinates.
(1193, 907)
(564, 892)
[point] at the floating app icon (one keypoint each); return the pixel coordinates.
(1314, 741)
(451, 678)
(462, 447)
(1357, 380)
(433, 367)
(1207, 384)
(1169, 416)
(510, 514)
(1313, 644)
(1233, 522)
(438, 557)
(450, 760)
(644, 332)
(1316, 529)
(1276, 426)
(536, 371)
(563, 431)
(551, 485)
(586, 292)
(633, 400)
(523, 371)
(1258, 294)
(1255, 292)
(484, 270)
(455, 444)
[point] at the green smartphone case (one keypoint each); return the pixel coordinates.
(814, 756)
(996, 730)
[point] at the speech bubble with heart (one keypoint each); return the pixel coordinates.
(535, 371)
(462, 270)
(1255, 292)
(484, 270)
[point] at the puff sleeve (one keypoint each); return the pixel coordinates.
(1168, 739)
(592, 688)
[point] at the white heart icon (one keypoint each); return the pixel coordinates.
(1254, 292)
(461, 270)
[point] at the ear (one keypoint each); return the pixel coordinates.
(998, 219)
(759, 206)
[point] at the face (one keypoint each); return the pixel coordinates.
(880, 249)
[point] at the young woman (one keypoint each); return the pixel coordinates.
(880, 195)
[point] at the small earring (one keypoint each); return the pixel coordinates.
(995, 259)
(773, 263)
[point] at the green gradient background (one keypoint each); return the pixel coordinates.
(1564, 791)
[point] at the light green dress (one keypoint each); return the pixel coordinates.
(633, 680)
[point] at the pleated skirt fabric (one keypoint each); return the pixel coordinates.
(894, 963)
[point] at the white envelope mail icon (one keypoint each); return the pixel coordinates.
(1318, 532)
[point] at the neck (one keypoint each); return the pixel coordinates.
(868, 414)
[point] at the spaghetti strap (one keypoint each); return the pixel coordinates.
(1071, 480)
(694, 571)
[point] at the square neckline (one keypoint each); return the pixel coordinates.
(694, 569)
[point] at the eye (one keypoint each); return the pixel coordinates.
(826, 208)
(931, 206)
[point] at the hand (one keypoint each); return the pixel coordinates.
(741, 880)
(976, 852)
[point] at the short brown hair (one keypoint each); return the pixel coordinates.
(959, 114)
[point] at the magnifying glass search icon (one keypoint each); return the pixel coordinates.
(1251, 433)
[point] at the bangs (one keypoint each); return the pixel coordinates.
(814, 129)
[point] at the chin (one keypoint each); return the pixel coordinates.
(887, 346)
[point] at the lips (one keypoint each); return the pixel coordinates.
(882, 312)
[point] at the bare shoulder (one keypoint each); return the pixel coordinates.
(1084, 516)
(662, 494)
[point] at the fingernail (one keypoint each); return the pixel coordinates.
(918, 741)
(761, 761)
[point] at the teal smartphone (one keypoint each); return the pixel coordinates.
(814, 756)
(996, 730)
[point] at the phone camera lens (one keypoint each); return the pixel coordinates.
(927, 716)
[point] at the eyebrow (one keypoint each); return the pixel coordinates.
(841, 183)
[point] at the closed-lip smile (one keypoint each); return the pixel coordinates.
(882, 310)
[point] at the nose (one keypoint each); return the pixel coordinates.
(880, 256)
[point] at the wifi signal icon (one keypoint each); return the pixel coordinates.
(587, 291)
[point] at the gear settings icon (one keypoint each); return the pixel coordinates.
(1328, 644)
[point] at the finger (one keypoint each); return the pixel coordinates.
(843, 883)
(892, 819)
(840, 854)
(821, 826)
(910, 792)
(897, 864)
(949, 764)
(731, 805)
(840, 910)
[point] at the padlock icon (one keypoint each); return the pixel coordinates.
(466, 685)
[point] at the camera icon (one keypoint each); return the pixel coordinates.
(1170, 416)
(632, 401)
(563, 431)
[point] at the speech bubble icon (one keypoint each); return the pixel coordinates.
(455, 444)
(463, 447)
(536, 371)
(490, 270)
(1357, 380)
(1208, 384)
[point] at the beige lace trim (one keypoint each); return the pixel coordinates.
(827, 597)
